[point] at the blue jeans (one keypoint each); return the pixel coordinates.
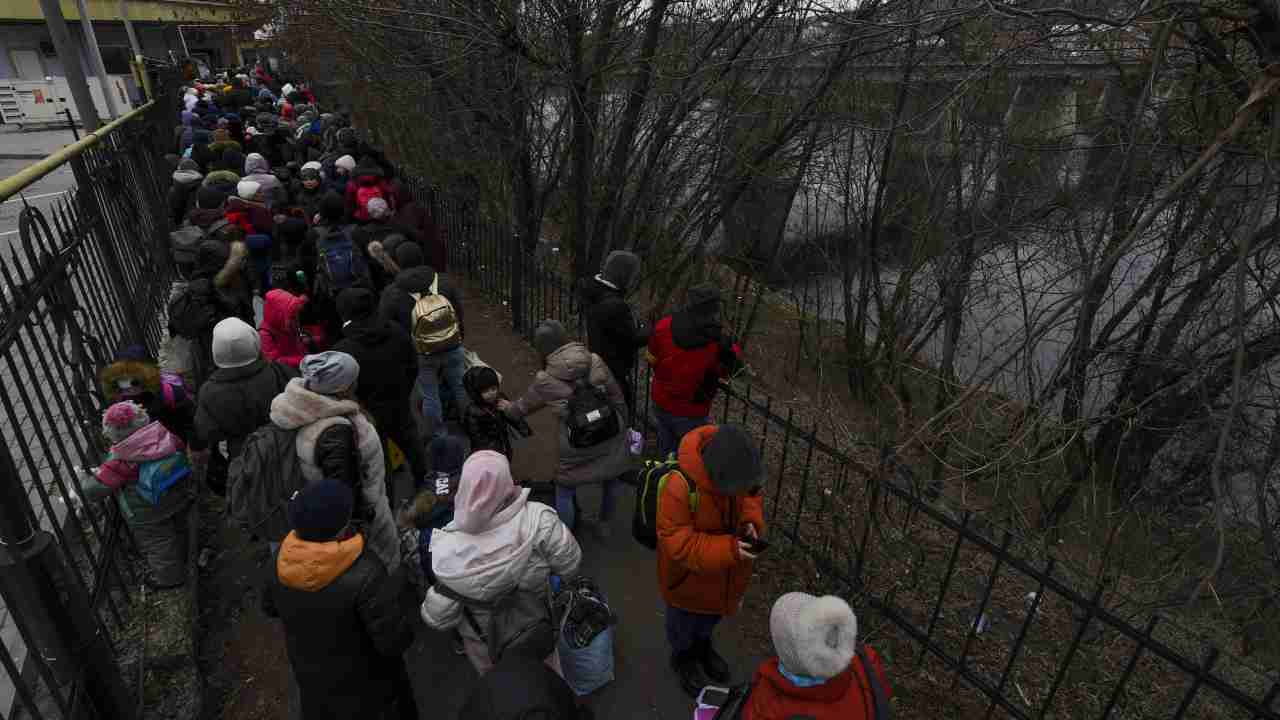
(673, 428)
(451, 364)
(685, 628)
(566, 497)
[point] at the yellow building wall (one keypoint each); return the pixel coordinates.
(177, 11)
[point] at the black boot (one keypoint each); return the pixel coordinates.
(690, 675)
(712, 663)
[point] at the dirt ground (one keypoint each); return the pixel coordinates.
(244, 653)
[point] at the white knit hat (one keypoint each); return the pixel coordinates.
(814, 636)
(313, 165)
(378, 208)
(346, 162)
(248, 189)
(235, 343)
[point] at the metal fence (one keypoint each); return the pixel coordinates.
(83, 275)
(1004, 628)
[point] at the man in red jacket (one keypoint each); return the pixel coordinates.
(689, 356)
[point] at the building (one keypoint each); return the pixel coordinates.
(31, 74)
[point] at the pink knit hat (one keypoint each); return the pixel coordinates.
(122, 419)
(484, 489)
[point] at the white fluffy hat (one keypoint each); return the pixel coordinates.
(814, 636)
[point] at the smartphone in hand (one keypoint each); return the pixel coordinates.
(755, 545)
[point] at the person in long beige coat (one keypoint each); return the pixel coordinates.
(566, 363)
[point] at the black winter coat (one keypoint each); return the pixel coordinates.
(220, 304)
(397, 305)
(520, 687)
(486, 429)
(613, 331)
(388, 369)
(345, 639)
(234, 402)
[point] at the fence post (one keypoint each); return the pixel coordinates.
(92, 210)
(56, 620)
(517, 285)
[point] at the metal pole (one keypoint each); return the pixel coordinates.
(95, 56)
(182, 36)
(69, 53)
(55, 618)
(139, 64)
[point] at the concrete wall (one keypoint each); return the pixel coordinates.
(157, 41)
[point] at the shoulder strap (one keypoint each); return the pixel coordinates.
(689, 488)
(879, 697)
(216, 227)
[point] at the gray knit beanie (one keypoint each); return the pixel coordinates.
(235, 343)
(732, 460)
(549, 337)
(329, 373)
(814, 636)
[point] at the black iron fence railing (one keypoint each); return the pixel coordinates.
(84, 271)
(1004, 628)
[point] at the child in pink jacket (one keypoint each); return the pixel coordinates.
(148, 474)
(281, 333)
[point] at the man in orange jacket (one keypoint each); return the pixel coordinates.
(706, 513)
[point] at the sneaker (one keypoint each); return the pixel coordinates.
(685, 664)
(712, 663)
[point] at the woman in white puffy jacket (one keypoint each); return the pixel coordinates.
(497, 540)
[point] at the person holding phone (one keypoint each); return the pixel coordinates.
(710, 528)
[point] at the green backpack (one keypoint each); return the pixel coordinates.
(652, 481)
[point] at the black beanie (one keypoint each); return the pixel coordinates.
(210, 198)
(333, 207)
(732, 460)
(320, 511)
(356, 304)
(409, 255)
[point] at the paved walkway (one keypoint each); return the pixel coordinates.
(254, 659)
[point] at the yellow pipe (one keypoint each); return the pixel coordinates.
(19, 181)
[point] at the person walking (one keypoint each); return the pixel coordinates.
(689, 355)
(819, 672)
(614, 332)
(441, 357)
(388, 370)
(704, 560)
(568, 370)
(236, 399)
(344, 629)
(149, 475)
(498, 543)
(336, 440)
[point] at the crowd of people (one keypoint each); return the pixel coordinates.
(322, 384)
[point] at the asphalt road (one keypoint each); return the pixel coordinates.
(41, 194)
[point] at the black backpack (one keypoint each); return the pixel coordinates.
(879, 710)
(591, 416)
(651, 483)
(192, 313)
(261, 480)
